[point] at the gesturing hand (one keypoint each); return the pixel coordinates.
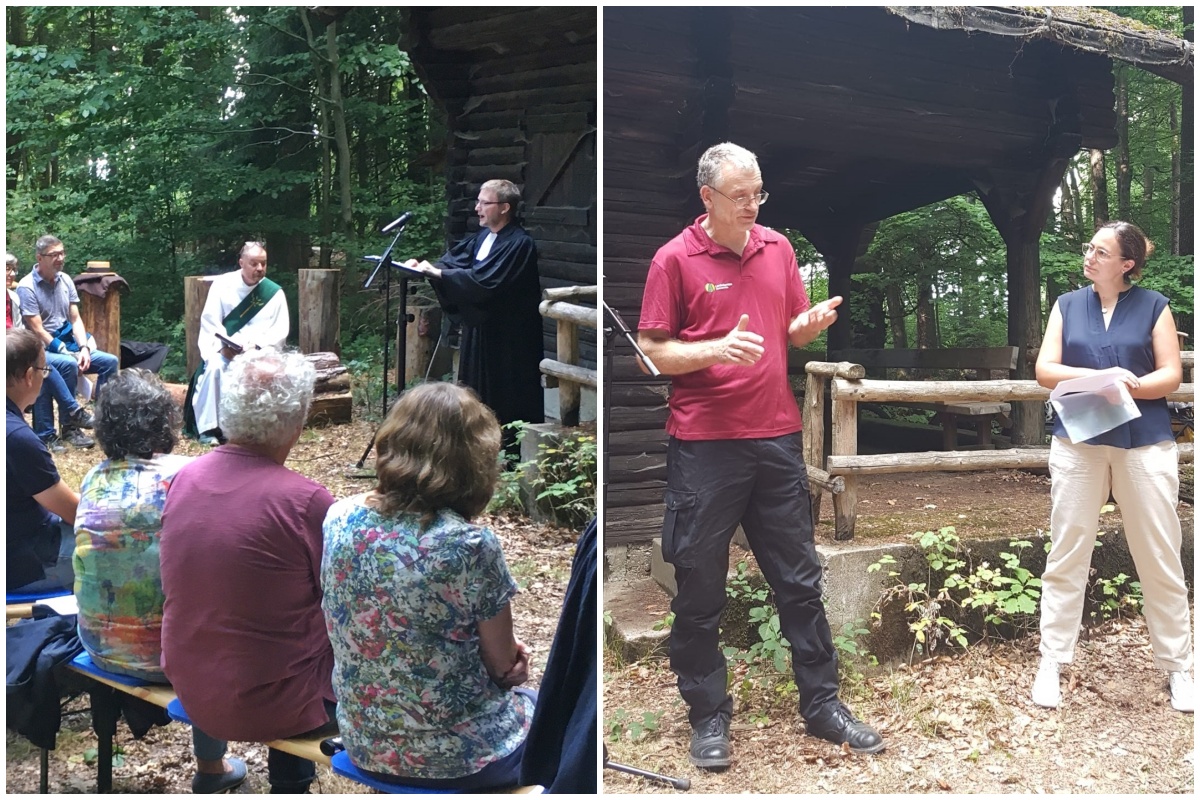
(740, 346)
(816, 319)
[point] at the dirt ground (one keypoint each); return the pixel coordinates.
(539, 557)
(954, 724)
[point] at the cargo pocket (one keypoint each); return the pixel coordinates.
(677, 525)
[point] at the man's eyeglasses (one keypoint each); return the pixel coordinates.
(1099, 252)
(744, 202)
(488, 202)
(44, 370)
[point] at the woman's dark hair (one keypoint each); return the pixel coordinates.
(21, 348)
(136, 416)
(438, 449)
(1135, 246)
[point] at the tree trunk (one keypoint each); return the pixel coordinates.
(896, 316)
(1066, 220)
(1124, 171)
(926, 334)
(1099, 190)
(1175, 178)
(1187, 152)
(1147, 191)
(338, 111)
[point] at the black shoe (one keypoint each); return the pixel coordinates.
(77, 438)
(842, 727)
(54, 444)
(82, 418)
(710, 743)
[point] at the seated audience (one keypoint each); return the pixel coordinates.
(40, 507)
(243, 637)
(116, 546)
(55, 386)
(417, 605)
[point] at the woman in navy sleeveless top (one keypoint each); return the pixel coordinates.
(1113, 323)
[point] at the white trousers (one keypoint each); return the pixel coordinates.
(206, 402)
(1145, 483)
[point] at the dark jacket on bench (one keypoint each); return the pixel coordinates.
(34, 649)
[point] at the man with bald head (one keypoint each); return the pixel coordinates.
(245, 310)
(723, 300)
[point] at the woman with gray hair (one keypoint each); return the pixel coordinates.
(244, 640)
(117, 527)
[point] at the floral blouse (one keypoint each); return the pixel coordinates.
(402, 605)
(117, 579)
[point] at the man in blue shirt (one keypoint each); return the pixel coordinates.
(40, 507)
(50, 308)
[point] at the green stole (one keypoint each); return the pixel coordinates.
(234, 321)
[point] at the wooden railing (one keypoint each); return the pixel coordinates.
(838, 474)
(565, 371)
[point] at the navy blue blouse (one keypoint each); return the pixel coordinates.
(1127, 343)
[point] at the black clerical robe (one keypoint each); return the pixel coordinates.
(497, 301)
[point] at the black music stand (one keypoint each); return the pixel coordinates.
(384, 262)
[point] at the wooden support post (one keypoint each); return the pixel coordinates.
(568, 391)
(319, 316)
(814, 435)
(102, 316)
(845, 443)
(195, 292)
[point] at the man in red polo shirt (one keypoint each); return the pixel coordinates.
(723, 300)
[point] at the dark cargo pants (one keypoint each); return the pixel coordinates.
(712, 486)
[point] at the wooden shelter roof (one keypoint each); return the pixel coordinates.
(1084, 28)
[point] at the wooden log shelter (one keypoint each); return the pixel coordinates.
(856, 114)
(518, 87)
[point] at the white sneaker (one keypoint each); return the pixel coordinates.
(1045, 685)
(1183, 693)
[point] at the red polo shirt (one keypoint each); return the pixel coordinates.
(697, 290)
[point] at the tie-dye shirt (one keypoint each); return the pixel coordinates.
(117, 579)
(402, 605)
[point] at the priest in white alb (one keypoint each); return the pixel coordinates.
(245, 310)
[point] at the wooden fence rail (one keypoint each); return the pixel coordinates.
(838, 474)
(565, 371)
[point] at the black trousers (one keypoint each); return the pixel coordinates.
(712, 486)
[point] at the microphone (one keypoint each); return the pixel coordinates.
(401, 220)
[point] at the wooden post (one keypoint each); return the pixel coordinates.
(319, 317)
(568, 391)
(845, 442)
(814, 435)
(102, 318)
(424, 328)
(195, 292)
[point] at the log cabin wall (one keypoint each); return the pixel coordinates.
(519, 90)
(855, 114)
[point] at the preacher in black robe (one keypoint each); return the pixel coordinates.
(496, 297)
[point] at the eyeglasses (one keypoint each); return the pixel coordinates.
(488, 202)
(743, 202)
(44, 370)
(56, 255)
(1100, 253)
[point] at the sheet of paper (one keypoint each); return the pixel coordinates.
(63, 606)
(1093, 404)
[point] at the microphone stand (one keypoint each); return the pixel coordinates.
(677, 783)
(610, 334)
(384, 262)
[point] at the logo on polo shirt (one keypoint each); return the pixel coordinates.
(716, 287)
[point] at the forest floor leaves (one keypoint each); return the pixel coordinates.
(957, 724)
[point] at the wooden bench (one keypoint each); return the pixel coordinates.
(106, 713)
